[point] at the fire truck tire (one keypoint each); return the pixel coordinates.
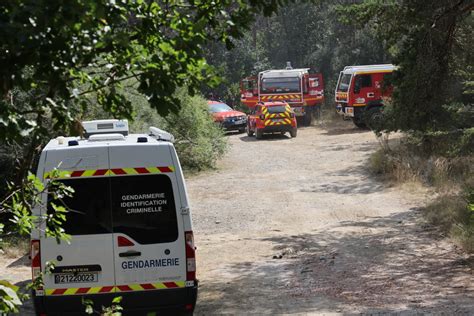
(293, 133)
(359, 123)
(307, 118)
(258, 134)
(249, 131)
(373, 118)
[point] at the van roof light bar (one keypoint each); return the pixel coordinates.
(105, 127)
(160, 134)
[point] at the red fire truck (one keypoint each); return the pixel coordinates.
(303, 91)
(361, 90)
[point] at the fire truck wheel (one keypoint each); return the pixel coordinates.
(359, 123)
(249, 131)
(293, 132)
(374, 118)
(258, 133)
(307, 119)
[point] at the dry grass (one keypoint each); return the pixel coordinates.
(450, 177)
(15, 247)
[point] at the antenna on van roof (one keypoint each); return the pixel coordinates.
(160, 134)
(288, 65)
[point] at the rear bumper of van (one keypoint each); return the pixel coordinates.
(165, 302)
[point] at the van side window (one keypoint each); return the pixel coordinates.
(143, 208)
(88, 209)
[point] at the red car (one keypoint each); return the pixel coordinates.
(271, 117)
(227, 117)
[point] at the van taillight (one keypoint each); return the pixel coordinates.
(35, 259)
(190, 256)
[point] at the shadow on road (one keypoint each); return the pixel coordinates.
(379, 265)
(22, 261)
(341, 128)
(266, 137)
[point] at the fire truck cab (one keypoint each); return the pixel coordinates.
(361, 90)
(303, 91)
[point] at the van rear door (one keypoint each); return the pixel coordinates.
(85, 265)
(149, 243)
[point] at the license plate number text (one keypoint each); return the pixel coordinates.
(76, 278)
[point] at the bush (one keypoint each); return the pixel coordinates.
(199, 141)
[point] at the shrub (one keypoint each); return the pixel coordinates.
(199, 141)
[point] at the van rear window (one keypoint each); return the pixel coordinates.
(142, 207)
(89, 208)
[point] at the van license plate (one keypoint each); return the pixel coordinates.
(76, 278)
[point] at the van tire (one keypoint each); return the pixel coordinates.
(258, 133)
(249, 131)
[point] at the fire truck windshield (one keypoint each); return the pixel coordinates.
(344, 83)
(284, 84)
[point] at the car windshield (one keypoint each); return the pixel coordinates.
(344, 83)
(277, 109)
(288, 84)
(219, 107)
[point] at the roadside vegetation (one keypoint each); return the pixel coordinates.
(448, 172)
(79, 65)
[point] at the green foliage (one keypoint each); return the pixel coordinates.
(18, 204)
(10, 299)
(199, 141)
(60, 52)
(113, 310)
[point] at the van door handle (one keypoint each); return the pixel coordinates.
(130, 253)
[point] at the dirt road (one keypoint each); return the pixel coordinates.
(298, 226)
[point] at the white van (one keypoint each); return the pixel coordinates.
(129, 222)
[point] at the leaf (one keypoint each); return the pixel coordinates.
(117, 300)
